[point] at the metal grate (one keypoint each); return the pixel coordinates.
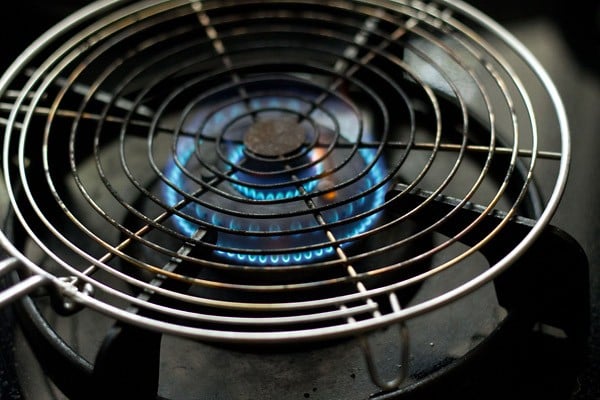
(143, 158)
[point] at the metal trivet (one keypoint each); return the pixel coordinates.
(287, 147)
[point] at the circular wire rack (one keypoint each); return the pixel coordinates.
(272, 171)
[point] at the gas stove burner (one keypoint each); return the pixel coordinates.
(270, 174)
(275, 187)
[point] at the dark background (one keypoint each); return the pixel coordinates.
(564, 36)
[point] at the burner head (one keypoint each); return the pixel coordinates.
(274, 137)
(284, 210)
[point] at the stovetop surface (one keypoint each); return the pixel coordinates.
(549, 36)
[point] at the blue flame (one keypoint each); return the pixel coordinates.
(179, 180)
(259, 193)
(226, 239)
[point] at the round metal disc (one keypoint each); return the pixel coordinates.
(274, 137)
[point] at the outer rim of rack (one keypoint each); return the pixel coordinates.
(99, 7)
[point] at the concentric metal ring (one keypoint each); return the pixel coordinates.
(125, 161)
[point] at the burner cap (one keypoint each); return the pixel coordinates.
(274, 137)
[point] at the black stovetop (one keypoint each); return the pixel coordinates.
(565, 46)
